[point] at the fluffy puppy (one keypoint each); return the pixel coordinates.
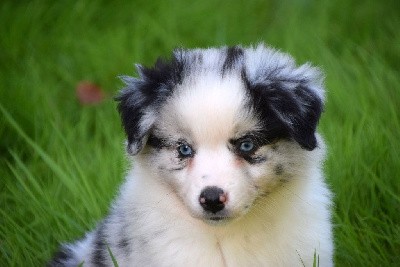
(227, 166)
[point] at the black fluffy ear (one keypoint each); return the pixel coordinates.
(140, 100)
(300, 111)
(296, 109)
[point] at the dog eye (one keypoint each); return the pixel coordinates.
(185, 150)
(246, 146)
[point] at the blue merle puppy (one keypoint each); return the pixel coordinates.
(227, 166)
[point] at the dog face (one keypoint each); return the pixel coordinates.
(223, 126)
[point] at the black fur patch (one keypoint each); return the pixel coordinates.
(60, 258)
(157, 143)
(307, 120)
(286, 113)
(150, 90)
(125, 245)
(233, 54)
(99, 255)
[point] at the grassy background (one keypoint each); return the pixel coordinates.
(61, 162)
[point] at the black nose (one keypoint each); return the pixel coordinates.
(212, 199)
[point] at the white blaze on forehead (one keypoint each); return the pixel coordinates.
(213, 108)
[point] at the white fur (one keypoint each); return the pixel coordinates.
(274, 220)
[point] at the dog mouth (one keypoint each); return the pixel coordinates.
(221, 217)
(214, 220)
(217, 218)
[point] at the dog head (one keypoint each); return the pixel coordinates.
(222, 126)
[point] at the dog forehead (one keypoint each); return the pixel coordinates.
(212, 108)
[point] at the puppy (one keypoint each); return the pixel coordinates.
(227, 166)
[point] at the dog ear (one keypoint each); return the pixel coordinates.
(296, 104)
(140, 100)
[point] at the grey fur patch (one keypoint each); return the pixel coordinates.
(100, 248)
(124, 243)
(279, 169)
(61, 257)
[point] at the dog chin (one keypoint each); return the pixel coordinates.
(214, 219)
(217, 220)
(220, 219)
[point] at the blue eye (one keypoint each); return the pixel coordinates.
(246, 146)
(185, 150)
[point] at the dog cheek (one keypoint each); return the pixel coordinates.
(241, 196)
(190, 164)
(184, 185)
(189, 191)
(259, 179)
(238, 162)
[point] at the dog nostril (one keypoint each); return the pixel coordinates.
(213, 199)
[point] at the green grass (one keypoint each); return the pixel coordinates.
(61, 163)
